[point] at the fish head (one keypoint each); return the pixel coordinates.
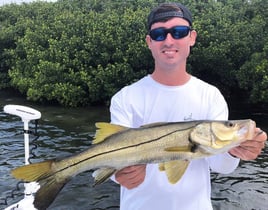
(218, 136)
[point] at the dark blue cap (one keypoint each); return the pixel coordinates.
(168, 10)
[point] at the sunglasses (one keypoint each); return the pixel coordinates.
(177, 32)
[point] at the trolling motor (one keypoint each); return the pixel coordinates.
(26, 114)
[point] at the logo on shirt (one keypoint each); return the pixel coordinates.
(189, 117)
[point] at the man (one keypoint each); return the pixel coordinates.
(171, 94)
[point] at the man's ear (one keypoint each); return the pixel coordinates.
(193, 36)
(148, 41)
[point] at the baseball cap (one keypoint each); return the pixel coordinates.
(168, 10)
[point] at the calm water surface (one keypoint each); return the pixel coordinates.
(65, 131)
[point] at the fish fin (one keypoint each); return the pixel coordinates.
(105, 130)
(161, 166)
(33, 172)
(178, 149)
(50, 185)
(174, 169)
(48, 192)
(102, 175)
(153, 124)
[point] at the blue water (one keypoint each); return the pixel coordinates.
(67, 131)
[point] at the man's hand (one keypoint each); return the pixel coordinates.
(132, 176)
(250, 150)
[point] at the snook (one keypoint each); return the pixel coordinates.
(172, 145)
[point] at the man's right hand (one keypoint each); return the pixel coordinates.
(132, 176)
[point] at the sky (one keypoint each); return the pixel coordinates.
(2, 2)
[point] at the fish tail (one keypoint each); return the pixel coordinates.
(48, 192)
(50, 184)
(33, 172)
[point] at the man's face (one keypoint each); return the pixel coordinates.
(171, 52)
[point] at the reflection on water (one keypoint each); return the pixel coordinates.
(67, 131)
(245, 188)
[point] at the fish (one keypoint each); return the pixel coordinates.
(172, 145)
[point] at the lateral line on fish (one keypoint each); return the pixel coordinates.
(111, 151)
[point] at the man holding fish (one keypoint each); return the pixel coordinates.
(167, 131)
(170, 94)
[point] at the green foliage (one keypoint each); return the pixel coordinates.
(230, 32)
(253, 75)
(77, 56)
(78, 52)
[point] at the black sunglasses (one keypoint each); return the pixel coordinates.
(177, 32)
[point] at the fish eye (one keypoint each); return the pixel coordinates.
(229, 124)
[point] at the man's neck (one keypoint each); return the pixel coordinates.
(171, 77)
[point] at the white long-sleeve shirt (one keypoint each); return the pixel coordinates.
(147, 101)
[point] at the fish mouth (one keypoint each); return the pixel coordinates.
(245, 131)
(250, 130)
(246, 128)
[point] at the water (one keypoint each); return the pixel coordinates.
(66, 131)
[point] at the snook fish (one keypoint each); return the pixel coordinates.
(172, 145)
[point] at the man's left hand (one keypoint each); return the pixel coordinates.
(250, 149)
